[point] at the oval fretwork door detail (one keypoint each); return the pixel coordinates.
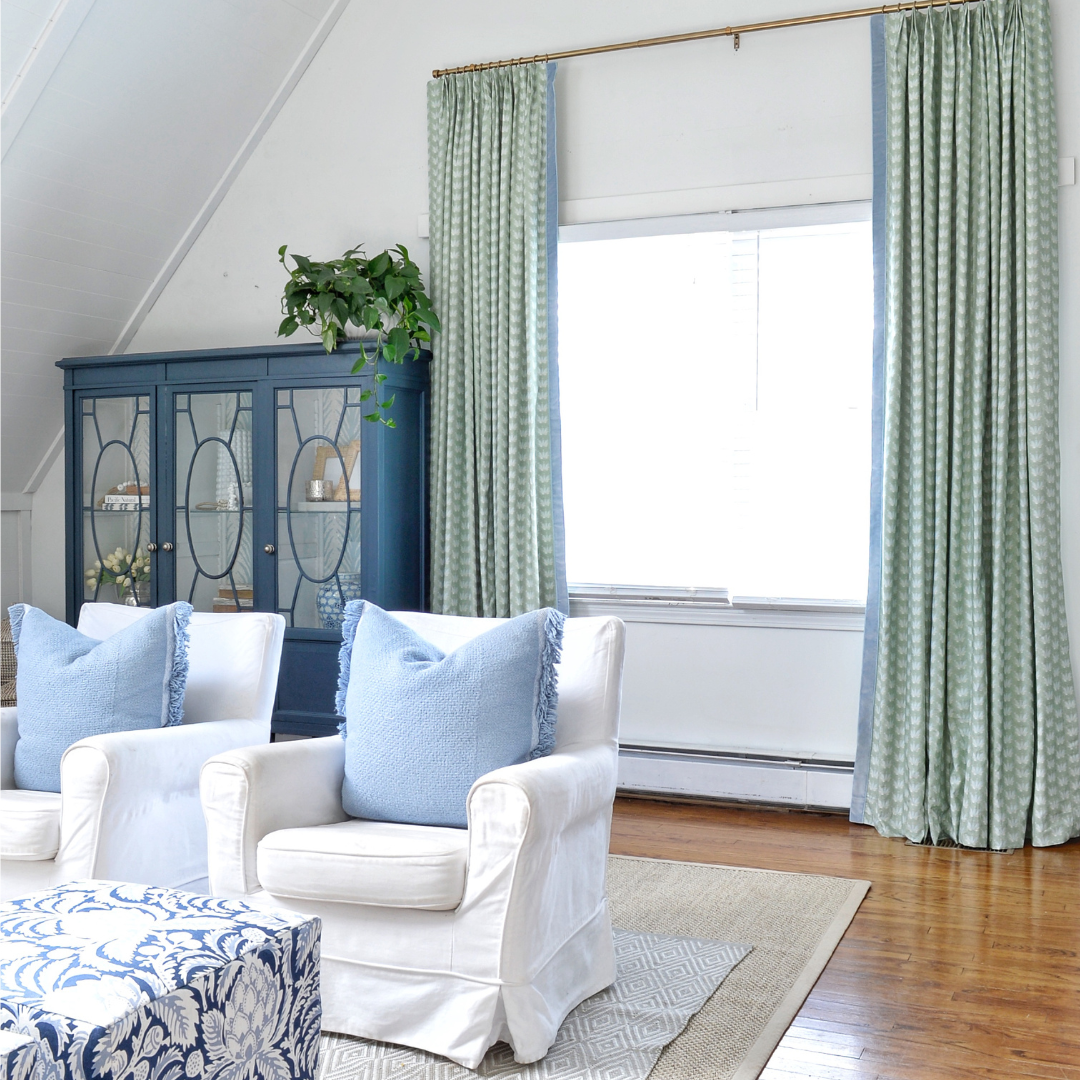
(318, 504)
(213, 523)
(116, 499)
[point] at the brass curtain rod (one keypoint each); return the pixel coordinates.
(700, 35)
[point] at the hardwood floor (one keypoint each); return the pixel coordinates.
(958, 963)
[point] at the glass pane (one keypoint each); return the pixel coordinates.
(213, 496)
(318, 501)
(755, 472)
(116, 500)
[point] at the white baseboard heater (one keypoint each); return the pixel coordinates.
(805, 783)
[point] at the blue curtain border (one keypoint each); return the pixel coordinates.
(873, 587)
(562, 596)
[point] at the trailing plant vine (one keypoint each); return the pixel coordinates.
(383, 294)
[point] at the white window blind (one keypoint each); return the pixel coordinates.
(715, 389)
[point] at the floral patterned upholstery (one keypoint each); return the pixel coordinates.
(135, 981)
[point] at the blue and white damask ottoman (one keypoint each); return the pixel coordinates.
(130, 982)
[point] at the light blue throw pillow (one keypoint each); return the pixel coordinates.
(70, 686)
(422, 726)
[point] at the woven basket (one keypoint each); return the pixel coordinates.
(8, 665)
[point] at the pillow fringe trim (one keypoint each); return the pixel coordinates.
(354, 609)
(547, 699)
(180, 664)
(15, 615)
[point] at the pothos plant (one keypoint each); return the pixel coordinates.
(382, 294)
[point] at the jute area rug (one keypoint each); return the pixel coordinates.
(718, 1007)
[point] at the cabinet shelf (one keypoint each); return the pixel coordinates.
(327, 507)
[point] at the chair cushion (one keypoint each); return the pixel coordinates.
(71, 686)
(422, 726)
(29, 825)
(367, 862)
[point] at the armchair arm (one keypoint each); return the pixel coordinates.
(258, 790)
(130, 802)
(9, 736)
(538, 844)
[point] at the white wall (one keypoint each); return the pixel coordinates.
(767, 690)
(47, 542)
(32, 545)
(676, 129)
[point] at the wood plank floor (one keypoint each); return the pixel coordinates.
(958, 964)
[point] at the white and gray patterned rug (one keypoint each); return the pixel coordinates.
(661, 981)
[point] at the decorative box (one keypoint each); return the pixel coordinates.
(130, 981)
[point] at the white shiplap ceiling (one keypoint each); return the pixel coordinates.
(124, 123)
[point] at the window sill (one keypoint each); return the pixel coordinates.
(713, 607)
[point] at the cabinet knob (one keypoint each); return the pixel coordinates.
(151, 547)
(269, 549)
(167, 546)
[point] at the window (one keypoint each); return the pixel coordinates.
(715, 387)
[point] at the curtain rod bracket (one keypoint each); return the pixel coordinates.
(735, 38)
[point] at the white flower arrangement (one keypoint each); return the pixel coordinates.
(119, 567)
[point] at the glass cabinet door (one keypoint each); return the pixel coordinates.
(318, 503)
(213, 516)
(116, 496)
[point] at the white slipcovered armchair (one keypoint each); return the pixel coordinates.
(444, 939)
(128, 808)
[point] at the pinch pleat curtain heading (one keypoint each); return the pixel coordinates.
(974, 735)
(496, 479)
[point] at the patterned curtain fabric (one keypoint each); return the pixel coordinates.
(975, 735)
(495, 505)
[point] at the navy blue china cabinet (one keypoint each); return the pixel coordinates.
(248, 479)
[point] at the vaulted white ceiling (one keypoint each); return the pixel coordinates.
(124, 122)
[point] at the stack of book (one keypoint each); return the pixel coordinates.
(124, 502)
(243, 599)
(126, 496)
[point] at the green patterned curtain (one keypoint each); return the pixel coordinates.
(975, 735)
(496, 509)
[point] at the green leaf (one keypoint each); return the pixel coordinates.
(399, 341)
(379, 265)
(380, 378)
(329, 339)
(394, 287)
(288, 326)
(390, 422)
(386, 404)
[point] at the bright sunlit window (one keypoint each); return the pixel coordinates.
(715, 392)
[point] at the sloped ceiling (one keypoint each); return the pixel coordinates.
(124, 122)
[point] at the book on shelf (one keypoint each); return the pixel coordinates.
(243, 599)
(244, 592)
(227, 603)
